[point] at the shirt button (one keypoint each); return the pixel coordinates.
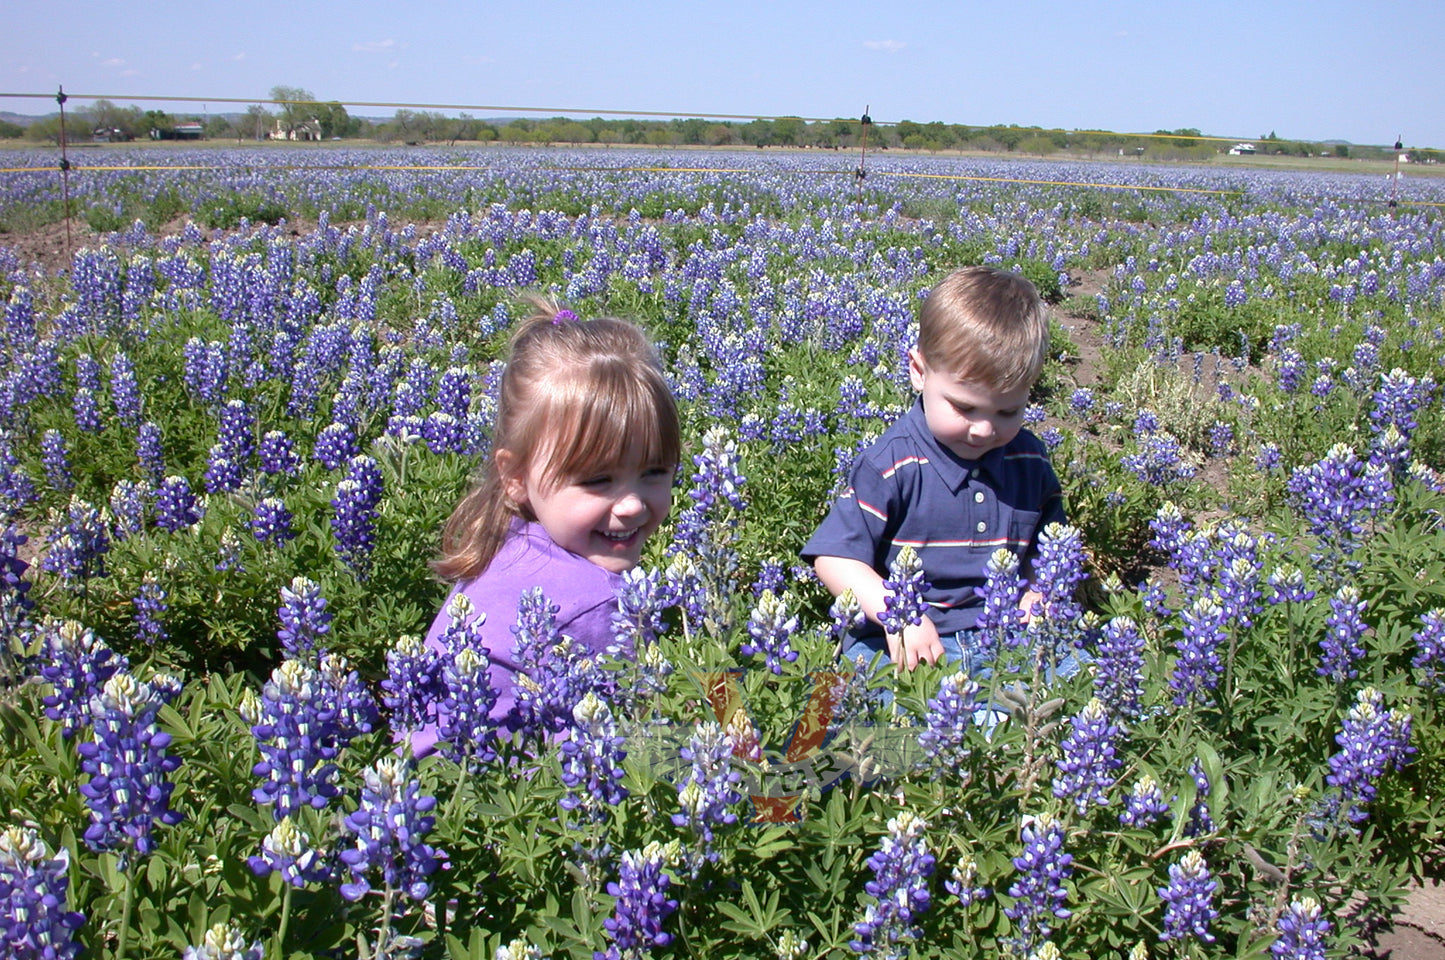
(982, 526)
(978, 497)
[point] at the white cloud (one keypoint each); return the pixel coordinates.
(239, 57)
(885, 46)
(195, 66)
(375, 46)
(113, 62)
(130, 73)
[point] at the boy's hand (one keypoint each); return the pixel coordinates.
(1027, 601)
(919, 642)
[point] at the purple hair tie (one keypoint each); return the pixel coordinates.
(562, 316)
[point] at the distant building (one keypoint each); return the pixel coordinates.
(308, 129)
(1242, 150)
(190, 130)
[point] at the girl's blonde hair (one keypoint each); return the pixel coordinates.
(577, 394)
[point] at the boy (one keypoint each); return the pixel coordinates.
(955, 478)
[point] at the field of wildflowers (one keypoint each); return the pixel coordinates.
(232, 429)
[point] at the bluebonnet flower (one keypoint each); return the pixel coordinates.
(271, 522)
(277, 454)
(901, 867)
(128, 793)
(176, 505)
(1090, 759)
(1146, 423)
(1058, 571)
(1397, 399)
(205, 370)
(771, 627)
(708, 793)
(1119, 667)
(1302, 931)
(1144, 804)
(76, 546)
(149, 454)
(335, 444)
(1373, 741)
(1287, 584)
(304, 620)
(635, 926)
(224, 942)
(150, 606)
(1342, 645)
(412, 685)
(1000, 621)
(124, 391)
(237, 430)
(1430, 649)
(1039, 893)
(76, 663)
(295, 725)
(1221, 439)
(592, 759)
(1189, 900)
(86, 410)
(228, 552)
(1160, 461)
(356, 503)
(289, 851)
(34, 924)
(1291, 370)
(555, 671)
(1170, 528)
(223, 474)
(389, 825)
(903, 603)
(1337, 496)
(1199, 667)
(1082, 401)
(55, 458)
(717, 484)
(950, 714)
(356, 710)
(465, 725)
(846, 614)
(129, 504)
(1268, 457)
(1201, 821)
(963, 881)
(14, 588)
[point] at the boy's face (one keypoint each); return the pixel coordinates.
(968, 418)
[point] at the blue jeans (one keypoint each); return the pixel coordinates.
(961, 653)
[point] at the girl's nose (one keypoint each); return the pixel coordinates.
(629, 505)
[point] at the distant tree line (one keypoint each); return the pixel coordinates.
(295, 113)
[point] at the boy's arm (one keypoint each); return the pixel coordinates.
(919, 642)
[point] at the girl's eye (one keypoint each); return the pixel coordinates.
(659, 472)
(598, 481)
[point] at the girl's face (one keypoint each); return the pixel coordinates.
(605, 516)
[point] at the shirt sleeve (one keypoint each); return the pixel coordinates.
(862, 521)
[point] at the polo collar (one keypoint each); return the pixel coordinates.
(954, 471)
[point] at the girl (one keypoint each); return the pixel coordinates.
(585, 445)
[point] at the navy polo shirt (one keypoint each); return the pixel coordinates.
(908, 489)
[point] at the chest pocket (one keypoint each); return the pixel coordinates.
(1022, 524)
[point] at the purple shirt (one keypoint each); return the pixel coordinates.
(585, 593)
(908, 489)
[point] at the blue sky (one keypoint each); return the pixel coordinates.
(1237, 68)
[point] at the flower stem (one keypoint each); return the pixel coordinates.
(127, 904)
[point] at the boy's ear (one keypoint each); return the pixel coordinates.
(916, 369)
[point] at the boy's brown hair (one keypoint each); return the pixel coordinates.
(985, 326)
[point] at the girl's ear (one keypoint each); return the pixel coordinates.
(513, 486)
